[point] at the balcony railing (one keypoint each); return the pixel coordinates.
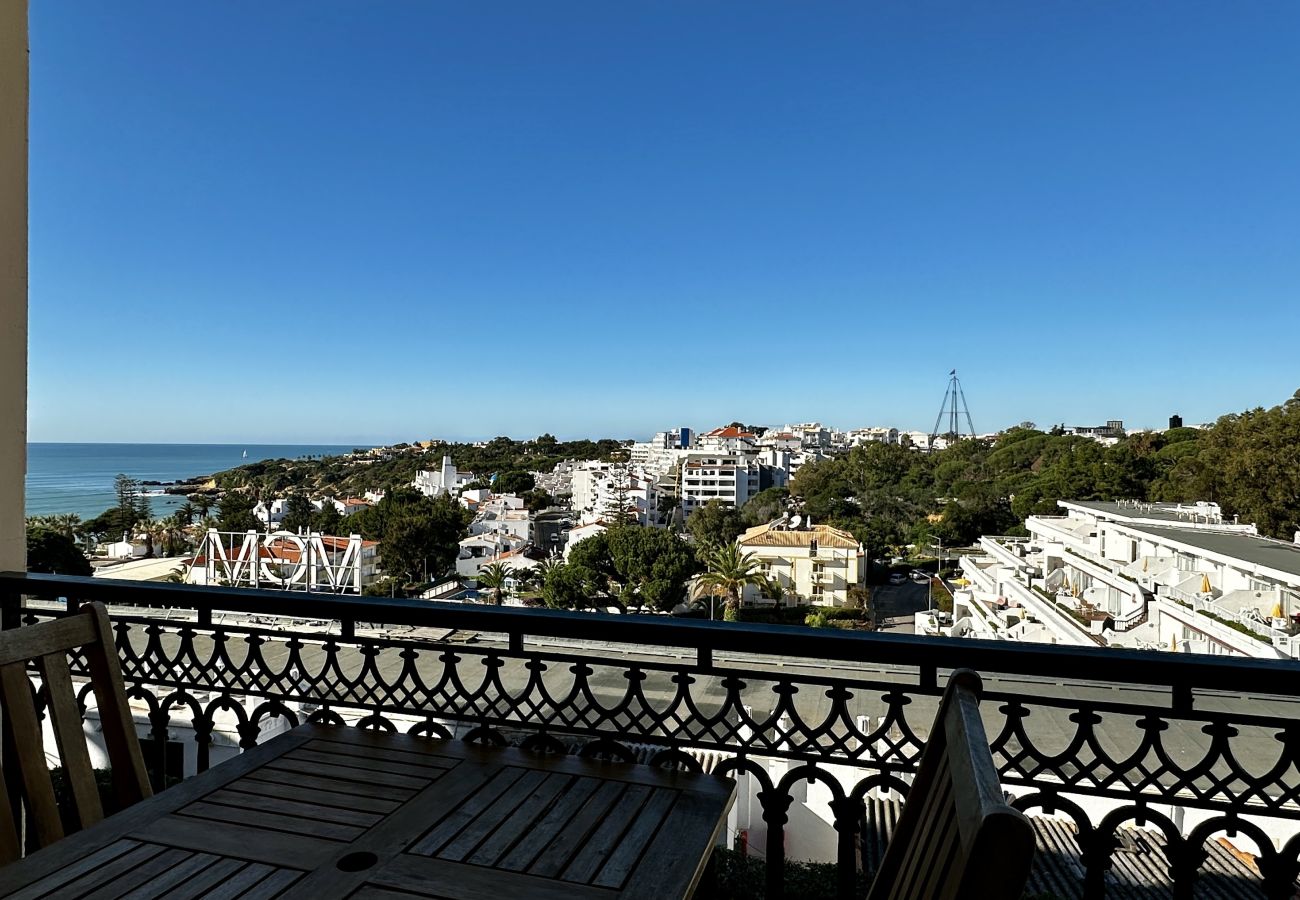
(1100, 737)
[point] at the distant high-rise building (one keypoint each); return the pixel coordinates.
(1175, 421)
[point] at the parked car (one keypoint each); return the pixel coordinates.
(897, 578)
(920, 577)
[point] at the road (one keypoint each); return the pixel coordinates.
(896, 604)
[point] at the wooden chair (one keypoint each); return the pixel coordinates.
(957, 837)
(48, 645)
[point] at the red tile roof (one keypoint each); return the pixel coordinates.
(729, 431)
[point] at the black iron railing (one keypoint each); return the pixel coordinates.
(1152, 735)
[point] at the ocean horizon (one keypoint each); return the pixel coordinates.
(78, 477)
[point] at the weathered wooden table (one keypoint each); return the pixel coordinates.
(341, 812)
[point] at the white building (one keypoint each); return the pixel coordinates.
(811, 434)
(663, 451)
(446, 480)
(817, 563)
(581, 532)
(781, 440)
(273, 514)
(502, 514)
(860, 436)
(728, 439)
(479, 550)
(1107, 434)
(559, 481)
(1152, 576)
(730, 478)
(616, 490)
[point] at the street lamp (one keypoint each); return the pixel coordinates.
(930, 601)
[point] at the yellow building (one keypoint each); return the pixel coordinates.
(817, 563)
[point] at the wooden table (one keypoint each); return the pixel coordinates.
(340, 812)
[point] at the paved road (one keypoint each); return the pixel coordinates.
(896, 604)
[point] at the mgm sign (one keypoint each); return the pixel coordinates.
(284, 561)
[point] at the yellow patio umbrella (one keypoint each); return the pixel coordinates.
(1277, 612)
(962, 581)
(1206, 587)
(1145, 562)
(1173, 644)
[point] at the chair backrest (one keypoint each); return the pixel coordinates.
(47, 645)
(957, 837)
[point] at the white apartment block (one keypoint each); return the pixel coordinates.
(559, 481)
(816, 564)
(859, 436)
(781, 440)
(811, 434)
(444, 480)
(600, 488)
(1139, 575)
(502, 514)
(731, 478)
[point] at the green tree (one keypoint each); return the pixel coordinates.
(235, 513)
(327, 520)
(591, 556)
(514, 483)
(567, 587)
(714, 525)
(727, 572)
(652, 564)
(417, 534)
(537, 500)
(186, 513)
(765, 506)
(494, 577)
(297, 513)
(51, 552)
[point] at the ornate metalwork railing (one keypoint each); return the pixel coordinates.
(1151, 736)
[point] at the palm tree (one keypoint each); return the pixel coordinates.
(155, 532)
(544, 568)
(202, 505)
(729, 571)
(67, 524)
(186, 512)
(494, 578)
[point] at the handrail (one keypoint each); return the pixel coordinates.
(1136, 667)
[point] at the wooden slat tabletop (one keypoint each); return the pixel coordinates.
(326, 812)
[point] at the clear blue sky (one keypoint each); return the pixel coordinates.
(369, 221)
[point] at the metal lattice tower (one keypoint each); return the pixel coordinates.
(953, 398)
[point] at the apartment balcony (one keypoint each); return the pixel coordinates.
(1114, 753)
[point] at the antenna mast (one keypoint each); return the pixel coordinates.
(955, 408)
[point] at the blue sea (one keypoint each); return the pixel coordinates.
(78, 478)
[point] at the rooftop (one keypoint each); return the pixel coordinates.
(824, 535)
(1174, 513)
(1280, 556)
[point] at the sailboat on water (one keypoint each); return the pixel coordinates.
(245, 454)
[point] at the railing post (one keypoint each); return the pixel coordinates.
(11, 605)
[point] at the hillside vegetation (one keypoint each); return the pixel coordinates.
(1248, 463)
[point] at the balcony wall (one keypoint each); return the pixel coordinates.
(817, 726)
